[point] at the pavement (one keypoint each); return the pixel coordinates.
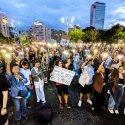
(74, 116)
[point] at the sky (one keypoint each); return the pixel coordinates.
(24, 12)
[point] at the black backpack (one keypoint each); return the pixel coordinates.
(45, 115)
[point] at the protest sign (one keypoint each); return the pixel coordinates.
(62, 75)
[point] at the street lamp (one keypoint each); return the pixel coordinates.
(68, 22)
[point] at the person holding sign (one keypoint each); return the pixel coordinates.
(62, 89)
(88, 86)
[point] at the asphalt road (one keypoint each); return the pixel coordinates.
(74, 116)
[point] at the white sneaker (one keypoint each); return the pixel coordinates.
(124, 111)
(111, 111)
(108, 92)
(93, 109)
(80, 103)
(38, 100)
(116, 112)
(89, 101)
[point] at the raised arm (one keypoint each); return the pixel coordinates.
(83, 65)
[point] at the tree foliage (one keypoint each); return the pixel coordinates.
(88, 34)
(24, 41)
(76, 34)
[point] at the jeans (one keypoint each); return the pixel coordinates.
(20, 108)
(115, 99)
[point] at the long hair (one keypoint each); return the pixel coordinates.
(57, 62)
(114, 77)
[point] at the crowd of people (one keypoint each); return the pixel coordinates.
(99, 67)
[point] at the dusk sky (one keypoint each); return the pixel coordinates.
(25, 12)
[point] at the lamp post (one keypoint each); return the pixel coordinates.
(68, 22)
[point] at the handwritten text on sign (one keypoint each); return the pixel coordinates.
(62, 76)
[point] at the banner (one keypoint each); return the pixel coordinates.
(62, 75)
(65, 42)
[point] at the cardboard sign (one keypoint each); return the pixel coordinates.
(62, 76)
(64, 42)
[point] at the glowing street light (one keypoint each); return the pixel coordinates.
(72, 19)
(67, 21)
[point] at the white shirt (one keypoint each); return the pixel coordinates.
(26, 73)
(36, 69)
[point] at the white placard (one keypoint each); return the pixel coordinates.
(64, 42)
(120, 41)
(62, 75)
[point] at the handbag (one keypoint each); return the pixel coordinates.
(84, 78)
(23, 93)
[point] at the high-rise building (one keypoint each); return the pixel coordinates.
(39, 32)
(4, 30)
(97, 15)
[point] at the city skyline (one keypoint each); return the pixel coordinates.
(50, 12)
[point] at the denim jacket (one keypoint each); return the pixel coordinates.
(16, 85)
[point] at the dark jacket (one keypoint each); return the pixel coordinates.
(35, 76)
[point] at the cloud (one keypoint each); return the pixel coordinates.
(19, 5)
(116, 14)
(50, 12)
(120, 10)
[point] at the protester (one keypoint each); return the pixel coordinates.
(18, 92)
(116, 91)
(99, 92)
(31, 59)
(45, 68)
(38, 80)
(102, 77)
(62, 89)
(87, 89)
(3, 96)
(29, 85)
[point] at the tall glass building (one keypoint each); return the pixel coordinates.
(97, 15)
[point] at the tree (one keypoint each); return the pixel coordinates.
(91, 34)
(24, 41)
(76, 34)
